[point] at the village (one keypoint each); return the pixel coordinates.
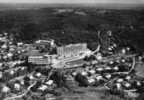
(42, 67)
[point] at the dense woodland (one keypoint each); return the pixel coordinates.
(70, 27)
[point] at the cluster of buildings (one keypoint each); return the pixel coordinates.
(114, 74)
(10, 52)
(96, 69)
(16, 78)
(17, 87)
(63, 54)
(15, 75)
(11, 62)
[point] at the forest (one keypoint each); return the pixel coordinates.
(81, 24)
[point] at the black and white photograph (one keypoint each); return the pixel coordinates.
(71, 49)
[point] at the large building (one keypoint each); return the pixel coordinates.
(45, 43)
(38, 58)
(65, 55)
(41, 60)
(39, 54)
(72, 50)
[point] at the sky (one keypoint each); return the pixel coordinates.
(74, 1)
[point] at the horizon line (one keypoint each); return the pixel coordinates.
(68, 3)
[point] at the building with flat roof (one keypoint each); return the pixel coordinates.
(72, 50)
(42, 59)
(65, 55)
(38, 60)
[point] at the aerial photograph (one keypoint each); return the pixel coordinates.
(71, 49)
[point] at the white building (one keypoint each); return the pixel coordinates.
(38, 60)
(41, 59)
(72, 50)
